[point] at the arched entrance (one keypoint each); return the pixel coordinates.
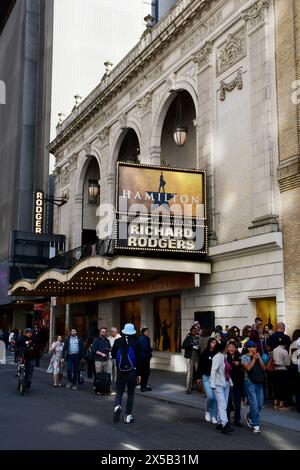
(90, 202)
(130, 147)
(181, 112)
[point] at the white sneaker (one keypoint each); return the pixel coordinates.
(128, 419)
(256, 430)
(207, 416)
(117, 412)
(214, 420)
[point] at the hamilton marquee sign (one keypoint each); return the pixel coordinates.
(160, 209)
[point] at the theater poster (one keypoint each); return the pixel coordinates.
(160, 209)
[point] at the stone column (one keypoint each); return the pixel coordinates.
(78, 202)
(256, 18)
(52, 320)
(73, 214)
(145, 109)
(67, 321)
(204, 126)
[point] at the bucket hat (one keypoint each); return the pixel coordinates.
(129, 329)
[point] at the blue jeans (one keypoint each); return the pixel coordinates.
(255, 395)
(73, 361)
(211, 403)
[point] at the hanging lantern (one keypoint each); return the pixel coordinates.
(180, 136)
(94, 189)
(180, 132)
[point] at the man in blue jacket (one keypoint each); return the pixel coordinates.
(145, 356)
(73, 349)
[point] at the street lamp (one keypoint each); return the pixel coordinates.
(94, 190)
(180, 136)
(180, 132)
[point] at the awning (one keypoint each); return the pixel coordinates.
(98, 277)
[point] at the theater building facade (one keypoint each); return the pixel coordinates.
(187, 121)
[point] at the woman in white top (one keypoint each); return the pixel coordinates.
(282, 384)
(56, 366)
(220, 382)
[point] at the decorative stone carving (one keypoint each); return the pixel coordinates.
(202, 56)
(73, 160)
(236, 82)
(123, 121)
(171, 82)
(255, 14)
(65, 175)
(103, 136)
(145, 101)
(232, 51)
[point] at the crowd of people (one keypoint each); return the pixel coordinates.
(229, 367)
(253, 366)
(125, 359)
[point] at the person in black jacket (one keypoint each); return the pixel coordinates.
(101, 349)
(145, 355)
(191, 346)
(126, 352)
(73, 350)
(237, 377)
(28, 346)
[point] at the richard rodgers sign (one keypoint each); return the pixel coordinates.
(160, 209)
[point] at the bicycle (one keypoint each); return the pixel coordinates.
(21, 374)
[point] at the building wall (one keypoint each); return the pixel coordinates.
(232, 287)
(288, 86)
(225, 60)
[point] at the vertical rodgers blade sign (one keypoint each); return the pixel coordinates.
(160, 209)
(38, 212)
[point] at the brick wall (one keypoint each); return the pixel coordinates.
(287, 18)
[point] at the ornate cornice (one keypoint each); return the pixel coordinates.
(255, 13)
(203, 55)
(232, 51)
(236, 82)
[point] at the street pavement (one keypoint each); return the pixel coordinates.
(51, 418)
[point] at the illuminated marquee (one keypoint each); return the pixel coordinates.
(160, 209)
(38, 212)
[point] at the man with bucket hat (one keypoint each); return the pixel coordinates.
(126, 353)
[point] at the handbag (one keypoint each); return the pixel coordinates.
(89, 354)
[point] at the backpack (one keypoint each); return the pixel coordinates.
(125, 359)
(256, 374)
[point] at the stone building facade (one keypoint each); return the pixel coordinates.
(219, 57)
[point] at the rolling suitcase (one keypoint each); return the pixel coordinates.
(102, 383)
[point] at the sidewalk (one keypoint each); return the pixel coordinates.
(170, 387)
